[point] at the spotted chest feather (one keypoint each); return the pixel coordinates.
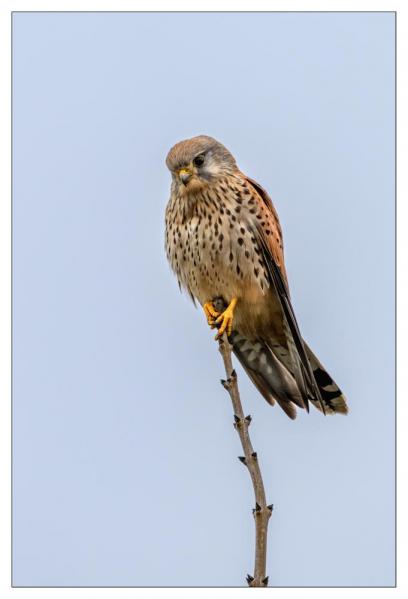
(211, 242)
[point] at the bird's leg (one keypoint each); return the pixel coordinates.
(211, 313)
(225, 319)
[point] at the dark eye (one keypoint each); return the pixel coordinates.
(199, 160)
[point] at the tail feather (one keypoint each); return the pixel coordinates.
(271, 370)
(268, 373)
(287, 406)
(333, 399)
(293, 361)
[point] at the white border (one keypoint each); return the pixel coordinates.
(6, 7)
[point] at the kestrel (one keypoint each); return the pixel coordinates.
(224, 243)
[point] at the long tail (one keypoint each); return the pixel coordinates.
(270, 369)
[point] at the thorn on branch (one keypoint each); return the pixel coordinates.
(265, 581)
(257, 509)
(270, 507)
(242, 459)
(234, 375)
(226, 384)
(237, 421)
(254, 455)
(249, 579)
(248, 419)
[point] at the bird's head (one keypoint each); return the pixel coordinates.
(195, 163)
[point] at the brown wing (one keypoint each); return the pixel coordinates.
(272, 251)
(274, 242)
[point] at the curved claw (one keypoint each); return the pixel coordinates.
(225, 320)
(211, 313)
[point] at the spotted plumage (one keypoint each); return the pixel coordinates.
(224, 240)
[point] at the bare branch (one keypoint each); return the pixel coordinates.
(262, 512)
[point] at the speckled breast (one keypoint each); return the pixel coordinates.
(213, 250)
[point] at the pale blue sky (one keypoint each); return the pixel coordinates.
(125, 457)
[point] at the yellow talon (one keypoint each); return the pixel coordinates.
(226, 319)
(210, 313)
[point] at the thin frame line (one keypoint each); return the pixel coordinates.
(395, 282)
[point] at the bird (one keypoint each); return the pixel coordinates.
(223, 240)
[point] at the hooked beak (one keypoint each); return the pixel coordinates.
(185, 175)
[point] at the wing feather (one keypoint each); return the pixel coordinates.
(272, 252)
